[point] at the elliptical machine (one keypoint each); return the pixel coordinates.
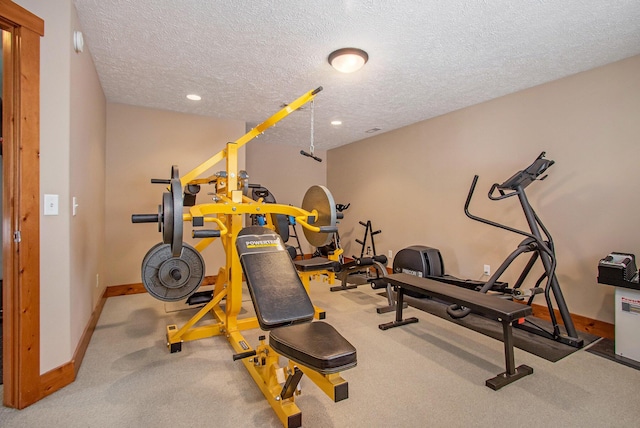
(541, 248)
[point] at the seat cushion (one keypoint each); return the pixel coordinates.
(316, 345)
(316, 263)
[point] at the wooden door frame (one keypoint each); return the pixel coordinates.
(21, 204)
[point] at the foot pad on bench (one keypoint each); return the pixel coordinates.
(505, 378)
(316, 345)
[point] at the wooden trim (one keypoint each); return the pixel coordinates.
(21, 213)
(65, 374)
(21, 17)
(137, 288)
(28, 218)
(124, 290)
(81, 349)
(9, 355)
(57, 379)
(582, 323)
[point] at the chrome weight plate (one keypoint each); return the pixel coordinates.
(320, 199)
(169, 278)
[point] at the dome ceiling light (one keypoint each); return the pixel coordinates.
(348, 60)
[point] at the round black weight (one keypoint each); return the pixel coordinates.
(171, 211)
(169, 278)
(167, 218)
(176, 218)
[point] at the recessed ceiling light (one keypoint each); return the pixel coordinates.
(194, 97)
(336, 122)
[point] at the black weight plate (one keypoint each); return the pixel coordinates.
(170, 278)
(167, 218)
(176, 217)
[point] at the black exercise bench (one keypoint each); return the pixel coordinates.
(284, 308)
(504, 311)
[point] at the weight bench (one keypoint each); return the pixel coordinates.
(284, 308)
(310, 268)
(504, 311)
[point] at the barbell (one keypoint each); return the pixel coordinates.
(169, 217)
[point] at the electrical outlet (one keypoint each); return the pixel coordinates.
(97, 280)
(487, 270)
(390, 254)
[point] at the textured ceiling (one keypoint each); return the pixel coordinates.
(426, 58)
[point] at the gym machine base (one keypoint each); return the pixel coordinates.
(173, 270)
(504, 311)
(620, 271)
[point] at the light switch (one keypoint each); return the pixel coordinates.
(50, 204)
(74, 206)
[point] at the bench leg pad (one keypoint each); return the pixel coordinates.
(392, 324)
(505, 378)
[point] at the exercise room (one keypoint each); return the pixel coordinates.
(342, 214)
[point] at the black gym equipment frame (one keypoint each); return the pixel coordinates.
(540, 246)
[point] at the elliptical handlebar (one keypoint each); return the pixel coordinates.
(516, 183)
(470, 195)
(503, 195)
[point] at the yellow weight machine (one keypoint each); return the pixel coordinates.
(173, 270)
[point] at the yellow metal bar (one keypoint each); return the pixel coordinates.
(295, 105)
(234, 289)
(203, 167)
(227, 206)
(202, 332)
(177, 336)
(328, 383)
(265, 377)
(203, 243)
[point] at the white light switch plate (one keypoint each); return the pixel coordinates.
(50, 204)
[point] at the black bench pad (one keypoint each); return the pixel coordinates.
(486, 304)
(278, 295)
(317, 263)
(501, 310)
(317, 345)
(283, 306)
